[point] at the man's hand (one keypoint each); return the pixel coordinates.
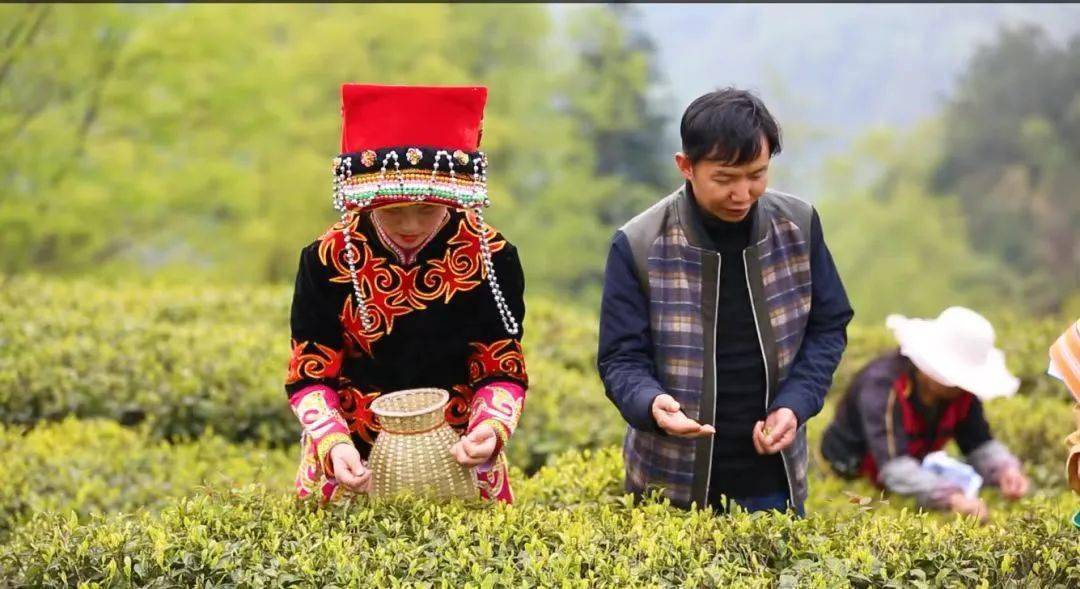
(669, 416)
(475, 448)
(349, 468)
(776, 432)
(959, 503)
(1013, 483)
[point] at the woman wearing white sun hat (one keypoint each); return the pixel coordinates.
(913, 401)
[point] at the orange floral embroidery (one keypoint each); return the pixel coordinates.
(314, 361)
(503, 358)
(457, 409)
(356, 409)
(391, 291)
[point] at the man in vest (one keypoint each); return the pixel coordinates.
(722, 321)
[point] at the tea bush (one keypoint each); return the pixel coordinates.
(183, 360)
(99, 466)
(571, 527)
(102, 467)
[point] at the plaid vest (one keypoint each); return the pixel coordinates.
(679, 273)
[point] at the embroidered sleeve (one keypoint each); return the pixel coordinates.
(499, 405)
(496, 365)
(496, 355)
(315, 360)
(316, 330)
(317, 409)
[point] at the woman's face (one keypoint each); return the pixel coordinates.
(936, 390)
(409, 224)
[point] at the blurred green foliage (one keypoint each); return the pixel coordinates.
(979, 206)
(195, 141)
(183, 361)
(162, 142)
(1011, 149)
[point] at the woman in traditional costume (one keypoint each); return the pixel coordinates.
(410, 289)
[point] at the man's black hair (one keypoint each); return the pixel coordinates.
(727, 126)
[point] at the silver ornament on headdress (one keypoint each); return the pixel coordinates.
(475, 199)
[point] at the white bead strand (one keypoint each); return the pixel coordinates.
(351, 259)
(342, 173)
(483, 177)
(508, 320)
(435, 169)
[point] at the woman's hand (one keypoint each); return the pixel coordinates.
(1013, 483)
(476, 447)
(959, 503)
(349, 468)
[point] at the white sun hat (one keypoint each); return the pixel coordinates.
(956, 350)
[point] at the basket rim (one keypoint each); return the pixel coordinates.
(444, 398)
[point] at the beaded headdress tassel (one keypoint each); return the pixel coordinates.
(402, 144)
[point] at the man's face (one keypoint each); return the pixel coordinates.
(727, 191)
(409, 224)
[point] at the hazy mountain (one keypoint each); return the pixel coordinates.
(829, 72)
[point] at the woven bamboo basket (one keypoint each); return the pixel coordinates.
(412, 451)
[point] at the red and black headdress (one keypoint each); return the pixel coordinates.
(405, 144)
(408, 144)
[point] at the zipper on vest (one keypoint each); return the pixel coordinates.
(761, 345)
(712, 441)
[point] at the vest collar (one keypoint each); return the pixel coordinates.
(690, 218)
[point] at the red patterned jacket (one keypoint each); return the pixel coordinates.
(435, 325)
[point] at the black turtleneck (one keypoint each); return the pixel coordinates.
(738, 470)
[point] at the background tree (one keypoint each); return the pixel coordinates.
(614, 163)
(899, 247)
(1012, 143)
(155, 142)
(54, 71)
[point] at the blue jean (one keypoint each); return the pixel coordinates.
(777, 501)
